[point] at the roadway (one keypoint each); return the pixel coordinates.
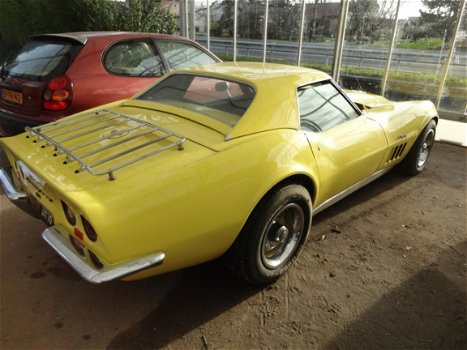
(363, 56)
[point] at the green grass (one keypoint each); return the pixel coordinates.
(420, 44)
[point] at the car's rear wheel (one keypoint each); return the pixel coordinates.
(415, 161)
(273, 236)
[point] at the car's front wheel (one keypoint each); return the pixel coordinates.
(415, 161)
(273, 236)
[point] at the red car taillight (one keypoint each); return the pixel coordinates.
(58, 94)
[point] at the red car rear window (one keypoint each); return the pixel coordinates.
(41, 59)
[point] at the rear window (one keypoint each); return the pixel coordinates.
(216, 98)
(40, 60)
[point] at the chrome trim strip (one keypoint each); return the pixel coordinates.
(55, 237)
(10, 190)
(327, 203)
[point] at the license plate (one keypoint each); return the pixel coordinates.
(12, 96)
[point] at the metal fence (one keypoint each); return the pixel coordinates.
(337, 55)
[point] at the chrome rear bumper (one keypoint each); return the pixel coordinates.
(55, 237)
(10, 190)
(17, 197)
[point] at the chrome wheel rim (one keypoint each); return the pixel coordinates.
(425, 150)
(282, 236)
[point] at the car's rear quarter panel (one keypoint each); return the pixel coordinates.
(189, 204)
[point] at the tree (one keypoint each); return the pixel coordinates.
(284, 20)
(250, 19)
(315, 20)
(145, 16)
(225, 24)
(22, 18)
(414, 30)
(440, 16)
(369, 20)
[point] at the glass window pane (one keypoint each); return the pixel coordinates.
(221, 28)
(453, 100)
(219, 99)
(201, 20)
(181, 55)
(283, 31)
(41, 59)
(134, 58)
(322, 107)
(367, 41)
(424, 32)
(321, 21)
(250, 30)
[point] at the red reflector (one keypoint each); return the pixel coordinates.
(55, 106)
(57, 83)
(79, 234)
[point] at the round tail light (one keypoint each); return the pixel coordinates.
(95, 260)
(90, 232)
(69, 214)
(77, 245)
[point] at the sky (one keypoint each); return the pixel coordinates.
(410, 8)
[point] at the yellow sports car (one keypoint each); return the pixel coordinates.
(226, 159)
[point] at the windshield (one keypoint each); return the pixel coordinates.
(39, 60)
(216, 98)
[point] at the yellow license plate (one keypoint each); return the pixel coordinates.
(12, 96)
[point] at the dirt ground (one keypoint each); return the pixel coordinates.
(385, 269)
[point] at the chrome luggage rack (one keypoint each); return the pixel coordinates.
(101, 127)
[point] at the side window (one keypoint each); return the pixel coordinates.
(322, 107)
(182, 55)
(134, 58)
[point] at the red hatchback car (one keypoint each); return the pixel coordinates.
(55, 75)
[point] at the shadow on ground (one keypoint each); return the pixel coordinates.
(387, 182)
(203, 293)
(427, 311)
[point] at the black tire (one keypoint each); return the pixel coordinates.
(415, 161)
(273, 236)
